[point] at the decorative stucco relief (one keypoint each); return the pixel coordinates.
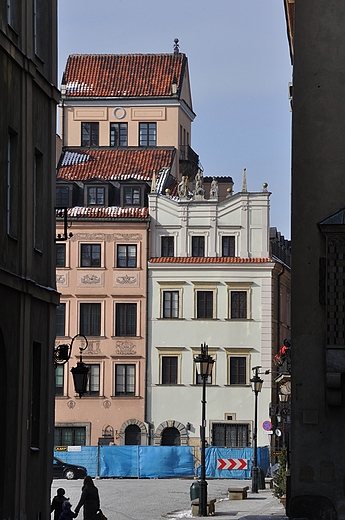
(90, 279)
(124, 280)
(125, 348)
(105, 237)
(93, 348)
(62, 279)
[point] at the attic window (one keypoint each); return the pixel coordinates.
(96, 196)
(131, 196)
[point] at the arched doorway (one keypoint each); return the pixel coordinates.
(171, 437)
(132, 435)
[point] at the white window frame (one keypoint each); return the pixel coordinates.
(102, 333)
(170, 286)
(135, 362)
(238, 352)
(239, 287)
(197, 233)
(220, 242)
(129, 242)
(100, 383)
(169, 352)
(205, 286)
(90, 243)
(138, 324)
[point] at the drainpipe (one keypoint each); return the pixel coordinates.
(146, 331)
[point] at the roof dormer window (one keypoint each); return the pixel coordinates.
(96, 196)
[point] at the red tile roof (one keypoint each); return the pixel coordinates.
(207, 260)
(111, 212)
(122, 75)
(113, 164)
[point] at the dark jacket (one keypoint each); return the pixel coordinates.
(67, 514)
(90, 500)
(56, 506)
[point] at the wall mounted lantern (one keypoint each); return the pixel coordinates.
(80, 373)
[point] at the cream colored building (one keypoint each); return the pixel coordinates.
(212, 278)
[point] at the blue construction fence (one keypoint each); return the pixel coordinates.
(164, 461)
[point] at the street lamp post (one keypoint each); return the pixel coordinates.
(80, 373)
(205, 370)
(256, 383)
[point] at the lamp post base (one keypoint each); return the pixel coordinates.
(202, 498)
(255, 480)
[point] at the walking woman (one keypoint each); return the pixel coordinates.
(89, 499)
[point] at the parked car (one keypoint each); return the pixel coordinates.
(62, 469)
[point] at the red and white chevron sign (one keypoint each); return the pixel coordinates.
(232, 464)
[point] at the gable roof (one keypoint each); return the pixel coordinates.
(113, 164)
(123, 75)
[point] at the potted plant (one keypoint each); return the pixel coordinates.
(279, 478)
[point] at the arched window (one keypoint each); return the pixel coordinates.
(171, 437)
(133, 435)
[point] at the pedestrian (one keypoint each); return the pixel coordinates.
(67, 513)
(57, 502)
(89, 500)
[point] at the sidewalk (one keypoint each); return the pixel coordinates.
(257, 506)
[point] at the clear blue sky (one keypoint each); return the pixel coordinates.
(239, 67)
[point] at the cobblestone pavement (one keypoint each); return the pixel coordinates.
(157, 499)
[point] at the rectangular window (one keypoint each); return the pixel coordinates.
(132, 196)
(96, 196)
(60, 255)
(198, 246)
(167, 246)
(12, 199)
(60, 319)
(230, 435)
(170, 304)
(59, 379)
(38, 201)
(147, 134)
(126, 256)
(228, 246)
(204, 304)
(118, 134)
(90, 255)
(238, 370)
(89, 134)
(70, 436)
(93, 382)
(238, 304)
(126, 319)
(169, 370)
(35, 419)
(125, 380)
(90, 319)
(62, 196)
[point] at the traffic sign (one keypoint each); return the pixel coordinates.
(232, 464)
(267, 426)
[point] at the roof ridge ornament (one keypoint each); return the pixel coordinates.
(176, 47)
(244, 180)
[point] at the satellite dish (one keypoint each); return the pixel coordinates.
(278, 432)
